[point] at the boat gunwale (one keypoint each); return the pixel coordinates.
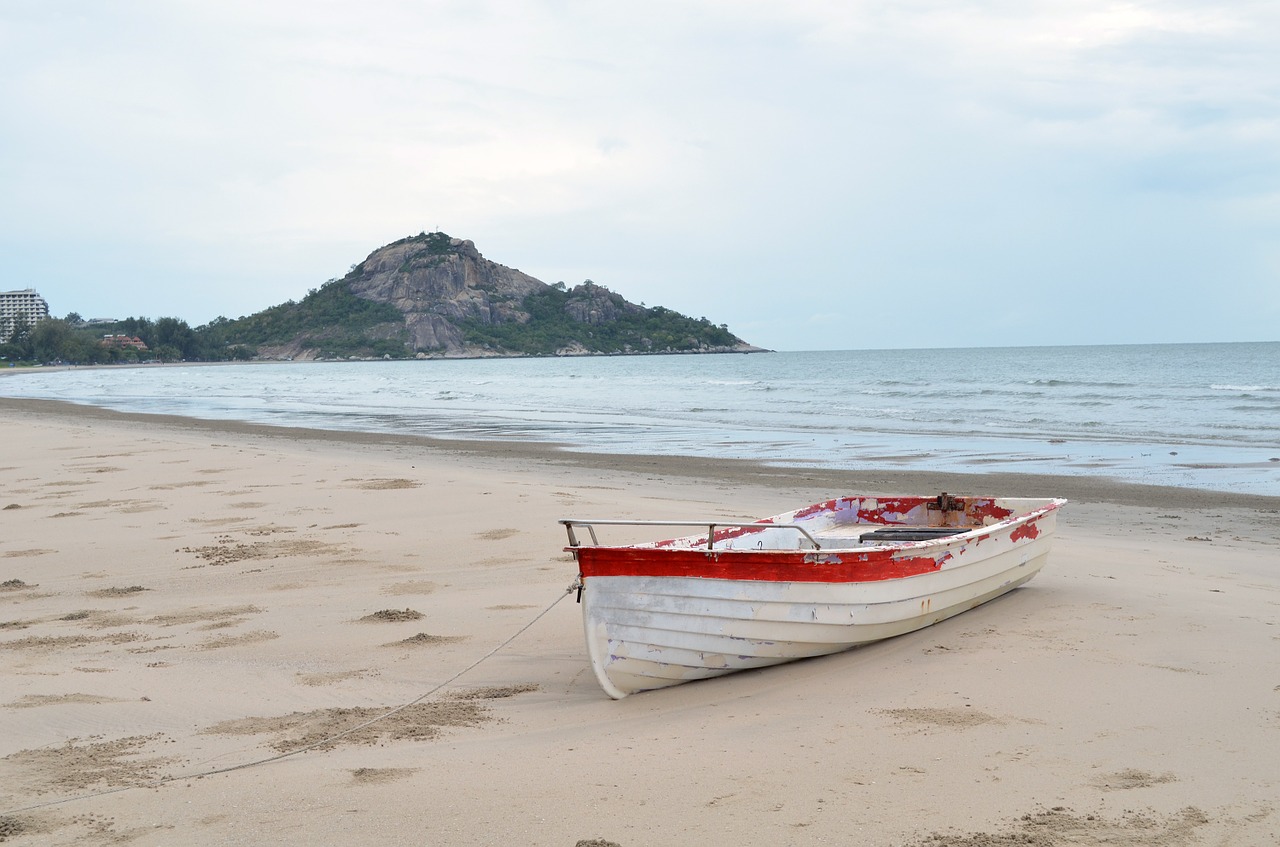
(699, 543)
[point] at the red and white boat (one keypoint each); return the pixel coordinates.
(806, 583)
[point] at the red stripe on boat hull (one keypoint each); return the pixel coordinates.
(765, 565)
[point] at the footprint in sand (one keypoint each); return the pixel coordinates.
(1132, 778)
(497, 534)
(31, 701)
(420, 586)
(254, 637)
(922, 719)
(383, 484)
(333, 677)
(117, 591)
(379, 776)
(424, 639)
(210, 617)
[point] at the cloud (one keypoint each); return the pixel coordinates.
(749, 161)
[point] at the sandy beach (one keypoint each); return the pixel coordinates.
(179, 598)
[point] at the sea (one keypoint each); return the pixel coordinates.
(1185, 415)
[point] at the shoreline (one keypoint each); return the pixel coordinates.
(1138, 424)
(731, 471)
(15, 369)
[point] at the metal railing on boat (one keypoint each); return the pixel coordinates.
(590, 525)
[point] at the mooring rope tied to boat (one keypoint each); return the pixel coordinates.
(322, 742)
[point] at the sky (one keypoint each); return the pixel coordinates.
(816, 174)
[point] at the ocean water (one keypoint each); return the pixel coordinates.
(1190, 415)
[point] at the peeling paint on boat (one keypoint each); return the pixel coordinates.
(748, 596)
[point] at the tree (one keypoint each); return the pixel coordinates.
(49, 340)
(167, 353)
(20, 337)
(140, 327)
(176, 334)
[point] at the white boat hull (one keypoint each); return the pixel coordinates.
(645, 632)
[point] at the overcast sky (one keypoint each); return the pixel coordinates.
(817, 175)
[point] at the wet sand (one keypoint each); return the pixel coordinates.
(180, 597)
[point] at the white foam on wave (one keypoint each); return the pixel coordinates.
(1227, 387)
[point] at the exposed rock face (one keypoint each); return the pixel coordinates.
(591, 304)
(434, 280)
(432, 332)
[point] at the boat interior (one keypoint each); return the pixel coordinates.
(843, 523)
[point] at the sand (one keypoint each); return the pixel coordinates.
(181, 598)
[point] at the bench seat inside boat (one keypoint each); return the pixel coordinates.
(843, 537)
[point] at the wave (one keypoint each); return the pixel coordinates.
(809, 408)
(1263, 405)
(1244, 388)
(1059, 383)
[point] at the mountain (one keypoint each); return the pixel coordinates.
(435, 296)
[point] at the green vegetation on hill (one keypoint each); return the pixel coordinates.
(433, 244)
(634, 330)
(330, 318)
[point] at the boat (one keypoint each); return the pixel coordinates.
(809, 582)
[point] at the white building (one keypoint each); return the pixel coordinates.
(25, 303)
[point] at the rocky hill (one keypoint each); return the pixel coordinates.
(431, 295)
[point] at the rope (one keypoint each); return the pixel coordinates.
(335, 737)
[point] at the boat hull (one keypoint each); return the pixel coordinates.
(650, 623)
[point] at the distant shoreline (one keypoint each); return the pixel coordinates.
(13, 370)
(721, 471)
